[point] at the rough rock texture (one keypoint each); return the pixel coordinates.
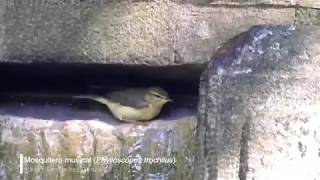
(260, 107)
(160, 32)
(89, 138)
(308, 16)
(301, 3)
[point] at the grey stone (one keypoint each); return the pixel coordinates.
(308, 16)
(156, 33)
(260, 107)
(82, 143)
(288, 3)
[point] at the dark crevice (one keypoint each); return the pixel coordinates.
(82, 78)
(243, 168)
(50, 87)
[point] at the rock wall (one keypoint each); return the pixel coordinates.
(157, 33)
(61, 141)
(256, 119)
(260, 107)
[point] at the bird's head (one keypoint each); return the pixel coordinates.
(157, 95)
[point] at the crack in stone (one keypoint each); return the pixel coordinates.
(243, 168)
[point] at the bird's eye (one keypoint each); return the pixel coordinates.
(157, 95)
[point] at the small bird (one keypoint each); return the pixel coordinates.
(133, 104)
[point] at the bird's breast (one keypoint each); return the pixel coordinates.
(134, 114)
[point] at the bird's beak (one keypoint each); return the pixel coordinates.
(169, 100)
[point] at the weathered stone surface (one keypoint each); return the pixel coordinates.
(308, 16)
(297, 3)
(260, 107)
(59, 131)
(155, 33)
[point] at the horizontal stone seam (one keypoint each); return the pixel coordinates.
(227, 4)
(274, 6)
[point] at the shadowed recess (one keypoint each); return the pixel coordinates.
(34, 90)
(88, 78)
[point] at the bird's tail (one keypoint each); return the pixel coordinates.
(98, 99)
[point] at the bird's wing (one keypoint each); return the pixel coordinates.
(130, 97)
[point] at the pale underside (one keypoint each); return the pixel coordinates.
(126, 113)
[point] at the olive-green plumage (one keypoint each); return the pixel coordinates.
(133, 104)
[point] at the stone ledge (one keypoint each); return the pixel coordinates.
(57, 131)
